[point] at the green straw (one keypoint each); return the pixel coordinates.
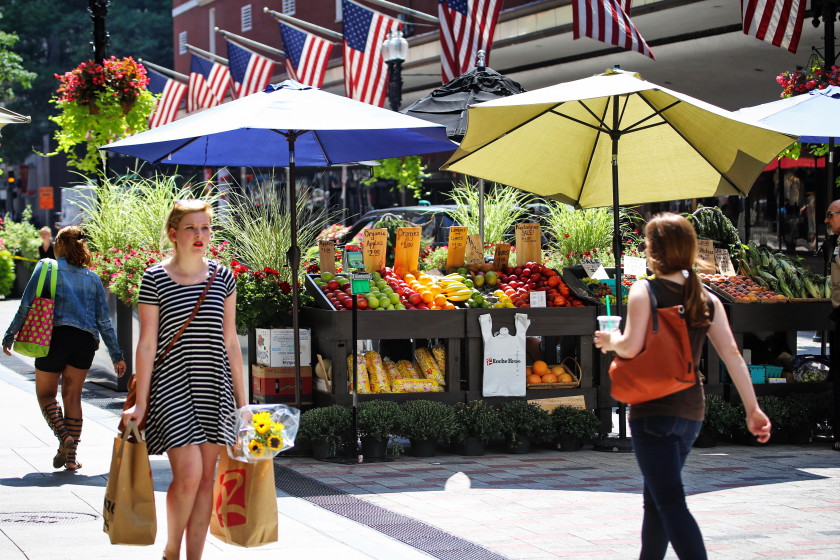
(608, 305)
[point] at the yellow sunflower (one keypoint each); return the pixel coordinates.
(275, 442)
(261, 417)
(277, 427)
(262, 427)
(256, 448)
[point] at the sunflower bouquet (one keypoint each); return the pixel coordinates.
(263, 431)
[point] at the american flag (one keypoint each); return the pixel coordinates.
(172, 92)
(365, 72)
(778, 22)
(251, 72)
(607, 21)
(209, 83)
(466, 27)
(307, 55)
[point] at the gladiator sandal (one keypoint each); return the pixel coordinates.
(74, 428)
(55, 419)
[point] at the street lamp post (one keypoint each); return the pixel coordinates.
(98, 12)
(395, 52)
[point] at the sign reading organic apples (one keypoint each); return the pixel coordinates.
(326, 251)
(375, 245)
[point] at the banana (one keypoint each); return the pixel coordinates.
(462, 295)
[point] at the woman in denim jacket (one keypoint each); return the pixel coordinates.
(81, 315)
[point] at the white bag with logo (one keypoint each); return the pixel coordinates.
(504, 358)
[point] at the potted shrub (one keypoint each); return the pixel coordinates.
(424, 422)
(476, 422)
(378, 421)
(326, 429)
(719, 424)
(776, 410)
(573, 426)
(524, 423)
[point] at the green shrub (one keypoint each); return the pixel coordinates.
(21, 238)
(476, 419)
(424, 420)
(7, 273)
(521, 417)
(574, 422)
(330, 424)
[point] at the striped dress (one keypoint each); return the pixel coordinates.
(191, 398)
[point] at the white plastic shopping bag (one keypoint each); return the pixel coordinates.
(504, 358)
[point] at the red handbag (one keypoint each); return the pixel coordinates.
(665, 365)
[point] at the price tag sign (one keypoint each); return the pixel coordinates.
(407, 249)
(591, 266)
(326, 253)
(706, 256)
(375, 244)
(475, 249)
(537, 299)
(724, 262)
(457, 247)
(528, 244)
(502, 256)
(635, 266)
(360, 282)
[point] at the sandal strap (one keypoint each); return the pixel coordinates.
(74, 428)
(55, 420)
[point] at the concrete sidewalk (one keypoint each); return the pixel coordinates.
(48, 514)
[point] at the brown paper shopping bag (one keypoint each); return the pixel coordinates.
(244, 503)
(129, 510)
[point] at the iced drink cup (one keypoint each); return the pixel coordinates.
(609, 322)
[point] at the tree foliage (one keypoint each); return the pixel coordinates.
(55, 36)
(11, 67)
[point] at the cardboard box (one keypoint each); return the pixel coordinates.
(275, 347)
(279, 384)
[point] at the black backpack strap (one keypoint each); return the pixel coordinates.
(653, 305)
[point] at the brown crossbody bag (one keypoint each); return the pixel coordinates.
(131, 398)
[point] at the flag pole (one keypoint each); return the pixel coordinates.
(251, 43)
(205, 54)
(163, 70)
(404, 10)
(311, 26)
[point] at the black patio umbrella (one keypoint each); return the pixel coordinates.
(447, 105)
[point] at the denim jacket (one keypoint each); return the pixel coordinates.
(79, 302)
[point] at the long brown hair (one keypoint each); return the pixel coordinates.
(672, 247)
(71, 243)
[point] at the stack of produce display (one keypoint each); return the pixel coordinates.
(377, 375)
(740, 288)
(782, 273)
(541, 375)
(603, 289)
(517, 284)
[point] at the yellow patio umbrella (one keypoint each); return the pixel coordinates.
(614, 139)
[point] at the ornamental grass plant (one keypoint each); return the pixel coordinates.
(503, 207)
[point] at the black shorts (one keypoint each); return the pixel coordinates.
(69, 347)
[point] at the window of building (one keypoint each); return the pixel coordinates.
(246, 17)
(289, 7)
(182, 42)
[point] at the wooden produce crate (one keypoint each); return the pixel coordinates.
(550, 323)
(332, 338)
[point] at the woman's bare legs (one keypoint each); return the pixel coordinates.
(189, 500)
(72, 381)
(46, 389)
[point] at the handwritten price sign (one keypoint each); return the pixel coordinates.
(375, 245)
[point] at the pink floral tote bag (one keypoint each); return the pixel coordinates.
(35, 335)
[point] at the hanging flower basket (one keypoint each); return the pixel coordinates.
(100, 103)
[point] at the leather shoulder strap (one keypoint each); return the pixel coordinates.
(191, 317)
(654, 316)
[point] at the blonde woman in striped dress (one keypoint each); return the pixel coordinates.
(189, 398)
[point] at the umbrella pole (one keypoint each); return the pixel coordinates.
(481, 209)
(293, 256)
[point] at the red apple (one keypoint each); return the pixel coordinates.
(332, 285)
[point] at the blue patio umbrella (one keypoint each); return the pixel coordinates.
(287, 125)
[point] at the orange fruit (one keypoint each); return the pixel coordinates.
(449, 305)
(534, 378)
(427, 296)
(549, 378)
(539, 367)
(528, 370)
(565, 378)
(409, 278)
(558, 370)
(440, 300)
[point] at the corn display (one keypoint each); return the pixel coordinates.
(416, 386)
(428, 366)
(392, 371)
(361, 373)
(376, 373)
(408, 370)
(439, 353)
